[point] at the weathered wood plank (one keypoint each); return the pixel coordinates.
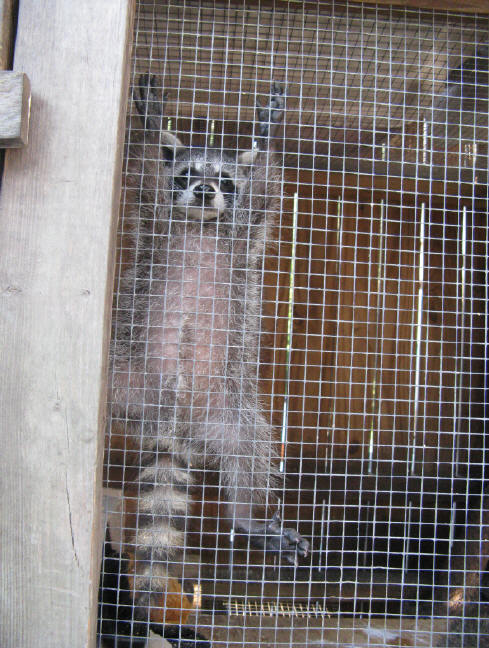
(469, 6)
(15, 101)
(58, 207)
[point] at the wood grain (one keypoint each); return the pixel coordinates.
(59, 204)
(355, 319)
(15, 102)
(363, 422)
(470, 6)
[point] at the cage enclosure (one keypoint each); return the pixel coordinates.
(371, 364)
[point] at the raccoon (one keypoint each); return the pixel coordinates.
(185, 339)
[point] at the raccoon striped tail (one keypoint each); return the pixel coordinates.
(155, 512)
(136, 590)
(117, 627)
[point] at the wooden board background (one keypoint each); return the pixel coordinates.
(59, 203)
(355, 316)
(355, 413)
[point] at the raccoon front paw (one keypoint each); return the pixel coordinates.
(271, 114)
(148, 101)
(274, 538)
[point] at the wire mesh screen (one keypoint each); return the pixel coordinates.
(295, 452)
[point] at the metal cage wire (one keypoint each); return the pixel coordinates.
(371, 362)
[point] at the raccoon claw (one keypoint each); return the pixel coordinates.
(285, 541)
(295, 544)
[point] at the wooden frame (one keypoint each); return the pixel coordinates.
(469, 6)
(59, 205)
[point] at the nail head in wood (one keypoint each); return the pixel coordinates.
(15, 102)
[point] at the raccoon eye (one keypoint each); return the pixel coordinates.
(183, 178)
(227, 185)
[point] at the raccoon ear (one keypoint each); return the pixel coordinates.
(170, 145)
(248, 157)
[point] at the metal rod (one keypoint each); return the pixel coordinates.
(419, 330)
(290, 317)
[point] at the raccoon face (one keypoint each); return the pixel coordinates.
(205, 184)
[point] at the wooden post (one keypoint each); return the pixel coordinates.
(58, 209)
(6, 32)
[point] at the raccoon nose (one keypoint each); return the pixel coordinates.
(204, 192)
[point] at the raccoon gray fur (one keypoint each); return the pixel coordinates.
(185, 340)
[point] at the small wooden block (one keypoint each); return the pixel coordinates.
(15, 103)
